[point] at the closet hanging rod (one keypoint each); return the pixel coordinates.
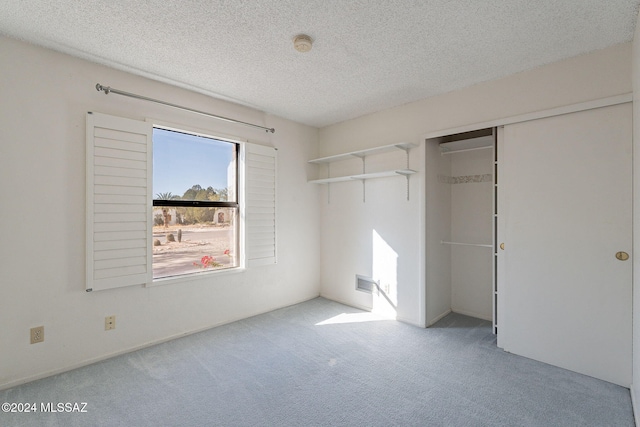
(107, 90)
(466, 244)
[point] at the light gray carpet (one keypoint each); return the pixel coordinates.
(284, 369)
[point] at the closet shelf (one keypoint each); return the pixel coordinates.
(405, 146)
(459, 146)
(363, 176)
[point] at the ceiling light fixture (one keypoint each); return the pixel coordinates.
(302, 43)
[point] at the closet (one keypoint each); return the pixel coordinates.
(460, 225)
(529, 224)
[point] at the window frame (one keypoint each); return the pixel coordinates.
(238, 204)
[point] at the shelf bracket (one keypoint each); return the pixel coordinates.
(364, 188)
(329, 184)
(406, 149)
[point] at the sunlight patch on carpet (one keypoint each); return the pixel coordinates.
(352, 318)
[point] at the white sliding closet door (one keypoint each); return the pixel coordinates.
(564, 212)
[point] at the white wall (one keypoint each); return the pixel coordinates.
(366, 236)
(45, 96)
(635, 386)
(587, 77)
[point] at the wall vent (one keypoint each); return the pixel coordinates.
(365, 284)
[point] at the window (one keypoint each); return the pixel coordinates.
(145, 184)
(195, 203)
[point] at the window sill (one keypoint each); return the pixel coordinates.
(195, 277)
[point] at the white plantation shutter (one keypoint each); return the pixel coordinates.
(260, 204)
(119, 202)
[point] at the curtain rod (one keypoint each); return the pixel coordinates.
(107, 90)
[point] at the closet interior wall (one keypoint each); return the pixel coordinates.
(460, 213)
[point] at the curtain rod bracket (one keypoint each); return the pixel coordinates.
(107, 90)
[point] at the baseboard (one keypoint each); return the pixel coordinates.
(634, 405)
(471, 314)
(347, 303)
(438, 318)
(365, 308)
(15, 383)
(410, 321)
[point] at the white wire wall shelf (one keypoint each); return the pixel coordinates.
(364, 175)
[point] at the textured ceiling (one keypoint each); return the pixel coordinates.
(367, 55)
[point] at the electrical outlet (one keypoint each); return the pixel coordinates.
(109, 323)
(37, 334)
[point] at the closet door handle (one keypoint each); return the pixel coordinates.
(502, 246)
(622, 256)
